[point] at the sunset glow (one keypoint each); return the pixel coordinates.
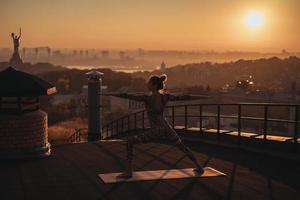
(169, 24)
(254, 20)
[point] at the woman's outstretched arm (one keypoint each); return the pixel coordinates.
(171, 97)
(128, 96)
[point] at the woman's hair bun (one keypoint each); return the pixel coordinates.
(163, 77)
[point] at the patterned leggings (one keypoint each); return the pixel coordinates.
(161, 132)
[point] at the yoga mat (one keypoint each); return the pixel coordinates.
(160, 175)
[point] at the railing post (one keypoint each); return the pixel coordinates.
(74, 136)
(200, 118)
(107, 131)
(112, 128)
(116, 127)
(128, 124)
(143, 120)
(79, 135)
(265, 122)
(173, 117)
(218, 118)
(122, 125)
(185, 118)
(239, 121)
(135, 123)
(296, 126)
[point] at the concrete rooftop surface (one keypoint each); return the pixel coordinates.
(71, 173)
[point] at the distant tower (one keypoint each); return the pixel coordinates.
(57, 53)
(36, 50)
(140, 52)
(87, 53)
(105, 53)
(163, 66)
(49, 52)
(122, 55)
(284, 51)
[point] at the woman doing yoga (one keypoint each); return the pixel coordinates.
(160, 129)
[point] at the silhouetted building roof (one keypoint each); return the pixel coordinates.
(18, 83)
(71, 173)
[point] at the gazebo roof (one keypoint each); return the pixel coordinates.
(17, 83)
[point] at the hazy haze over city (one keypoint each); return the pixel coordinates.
(266, 26)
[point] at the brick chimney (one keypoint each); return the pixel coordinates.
(23, 126)
(94, 94)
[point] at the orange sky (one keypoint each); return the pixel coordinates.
(152, 24)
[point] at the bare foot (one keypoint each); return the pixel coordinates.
(125, 175)
(199, 170)
(128, 170)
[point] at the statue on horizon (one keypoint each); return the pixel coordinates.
(16, 41)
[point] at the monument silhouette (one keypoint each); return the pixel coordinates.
(16, 59)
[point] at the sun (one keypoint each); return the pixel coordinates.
(254, 20)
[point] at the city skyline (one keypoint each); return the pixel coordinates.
(169, 25)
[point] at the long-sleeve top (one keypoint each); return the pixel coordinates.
(155, 106)
(155, 109)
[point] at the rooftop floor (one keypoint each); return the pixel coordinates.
(71, 173)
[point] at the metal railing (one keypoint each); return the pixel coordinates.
(130, 123)
(79, 135)
(187, 113)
